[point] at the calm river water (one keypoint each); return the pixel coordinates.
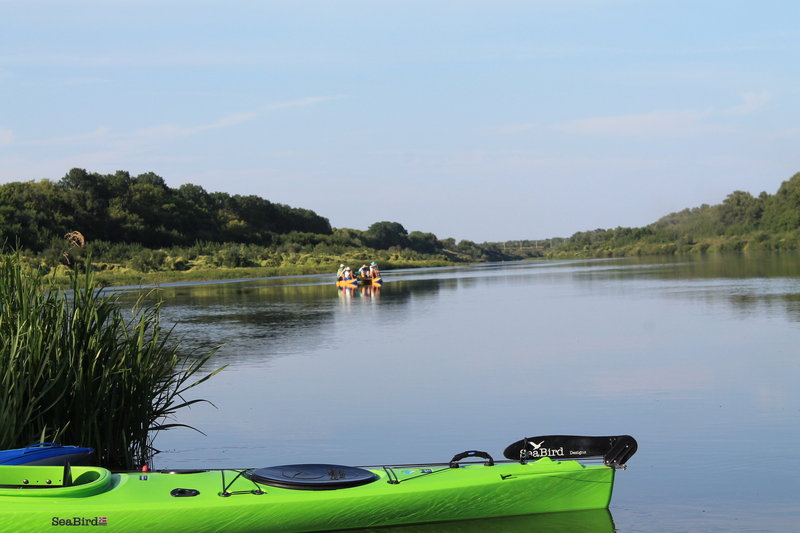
(698, 358)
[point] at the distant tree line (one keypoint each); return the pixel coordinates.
(141, 223)
(143, 209)
(741, 222)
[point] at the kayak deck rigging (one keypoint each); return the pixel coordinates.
(307, 497)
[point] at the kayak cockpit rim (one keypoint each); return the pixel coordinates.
(23, 480)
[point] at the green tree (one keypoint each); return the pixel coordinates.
(741, 212)
(425, 243)
(86, 195)
(782, 210)
(32, 214)
(383, 235)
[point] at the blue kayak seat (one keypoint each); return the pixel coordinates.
(311, 476)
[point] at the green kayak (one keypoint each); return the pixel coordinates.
(297, 498)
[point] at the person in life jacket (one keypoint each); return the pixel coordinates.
(348, 274)
(373, 270)
(340, 272)
(363, 272)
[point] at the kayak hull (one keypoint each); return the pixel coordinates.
(46, 454)
(370, 281)
(227, 501)
(347, 283)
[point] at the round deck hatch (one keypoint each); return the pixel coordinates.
(312, 476)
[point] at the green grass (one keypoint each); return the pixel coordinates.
(105, 275)
(75, 369)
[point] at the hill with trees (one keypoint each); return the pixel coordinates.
(138, 224)
(143, 209)
(141, 224)
(742, 222)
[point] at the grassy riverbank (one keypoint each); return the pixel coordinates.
(741, 223)
(639, 242)
(120, 276)
(139, 231)
(176, 266)
(75, 368)
(132, 264)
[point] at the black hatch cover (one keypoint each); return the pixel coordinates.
(312, 476)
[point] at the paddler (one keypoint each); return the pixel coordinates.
(373, 270)
(340, 272)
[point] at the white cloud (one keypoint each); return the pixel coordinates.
(162, 132)
(513, 129)
(312, 100)
(790, 132)
(167, 131)
(685, 123)
(750, 103)
(647, 124)
(86, 81)
(6, 137)
(174, 131)
(100, 134)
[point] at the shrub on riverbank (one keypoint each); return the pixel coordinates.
(131, 264)
(75, 369)
(608, 243)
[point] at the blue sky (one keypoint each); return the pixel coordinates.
(482, 120)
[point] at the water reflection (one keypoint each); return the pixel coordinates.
(262, 318)
(755, 283)
(346, 294)
(695, 357)
(257, 319)
(251, 321)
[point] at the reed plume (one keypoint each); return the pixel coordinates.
(75, 369)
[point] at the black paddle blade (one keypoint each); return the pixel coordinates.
(615, 450)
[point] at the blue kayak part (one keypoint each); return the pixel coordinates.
(46, 454)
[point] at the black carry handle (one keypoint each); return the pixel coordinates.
(615, 450)
(471, 453)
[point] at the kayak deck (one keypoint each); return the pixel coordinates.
(46, 454)
(232, 501)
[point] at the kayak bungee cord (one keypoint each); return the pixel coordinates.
(394, 480)
(225, 493)
(424, 472)
(542, 475)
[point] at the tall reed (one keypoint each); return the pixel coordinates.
(74, 368)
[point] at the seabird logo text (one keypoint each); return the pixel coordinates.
(80, 521)
(539, 451)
